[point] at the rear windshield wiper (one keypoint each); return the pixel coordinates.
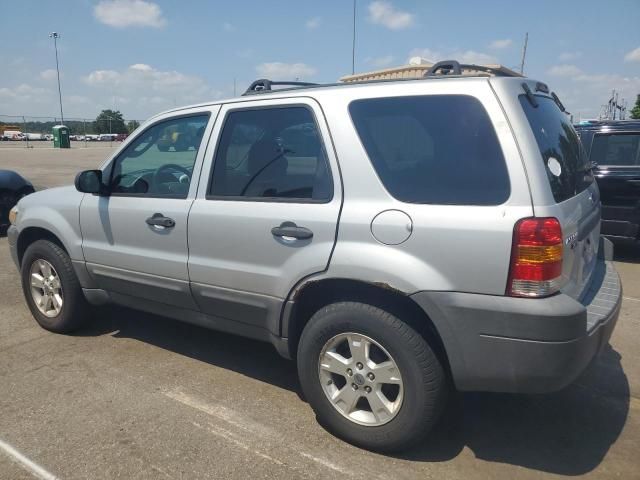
(589, 166)
(558, 102)
(530, 96)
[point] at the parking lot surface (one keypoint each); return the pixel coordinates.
(138, 396)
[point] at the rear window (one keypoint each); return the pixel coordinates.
(436, 149)
(616, 149)
(564, 157)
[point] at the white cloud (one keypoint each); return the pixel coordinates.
(24, 92)
(129, 13)
(313, 23)
(462, 56)
(141, 85)
(633, 56)
(427, 54)
(470, 56)
(49, 74)
(285, 71)
(228, 27)
(25, 99)
(566, 56)
(381, 62)
(564, 71)
(583, 93)
(77, 99)
(98, 77)
(384, 13)
(139, 91)
(501, 44)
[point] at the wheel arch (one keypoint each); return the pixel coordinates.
(30, 235)
(311, 296)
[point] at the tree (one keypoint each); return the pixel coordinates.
(110, 121)
(635, 111)
(132, 125)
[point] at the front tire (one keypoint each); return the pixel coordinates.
(371, 379)
(51, 288)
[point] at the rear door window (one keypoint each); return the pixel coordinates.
(271, 153)
(562, 152)
(616, 149)
(436, 149)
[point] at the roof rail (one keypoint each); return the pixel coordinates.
(264, 85)
(447, 67)
(452, 67)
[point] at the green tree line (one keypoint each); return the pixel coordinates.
(108, 121)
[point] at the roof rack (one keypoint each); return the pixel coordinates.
(264, 85)
(452, 67)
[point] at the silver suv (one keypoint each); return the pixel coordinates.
(397, 239)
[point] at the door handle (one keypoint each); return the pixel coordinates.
(290, 231)
(159, 220)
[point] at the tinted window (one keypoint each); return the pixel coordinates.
(159, 162)
(438, 149)
(611, 149)
(271, 153)
(562, 152)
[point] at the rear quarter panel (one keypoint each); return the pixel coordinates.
(451, 247)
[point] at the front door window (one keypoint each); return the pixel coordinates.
(159, 162)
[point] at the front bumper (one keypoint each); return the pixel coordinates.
(12, 237)
(505, 344)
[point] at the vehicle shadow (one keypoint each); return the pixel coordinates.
(216, 348)
(567, 433)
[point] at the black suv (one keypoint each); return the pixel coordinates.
(614, 146)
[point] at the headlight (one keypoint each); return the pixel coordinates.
(13, 215)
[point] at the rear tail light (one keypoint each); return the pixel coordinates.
(536, 258)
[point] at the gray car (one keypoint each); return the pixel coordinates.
(397, 239)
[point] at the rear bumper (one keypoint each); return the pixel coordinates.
(503, 344)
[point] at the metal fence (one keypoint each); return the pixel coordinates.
(25, 131)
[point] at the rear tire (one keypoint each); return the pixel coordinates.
(51, 288)
(416, 374)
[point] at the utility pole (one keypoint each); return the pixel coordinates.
(353, 45)
(55, 37)
(524, 52)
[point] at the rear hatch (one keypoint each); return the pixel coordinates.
(571, 180)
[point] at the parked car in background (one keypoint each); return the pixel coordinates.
(613, 147)
(13, 134)
(395, 238)
(121, 137)
(12, 188)
(107, 137)
(92, 138)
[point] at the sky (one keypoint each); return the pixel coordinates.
(145, 56)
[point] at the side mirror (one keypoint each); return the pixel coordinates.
(90, 181)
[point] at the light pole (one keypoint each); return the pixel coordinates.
(56, 36)
(353, 45)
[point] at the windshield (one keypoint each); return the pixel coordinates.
(564, 157)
